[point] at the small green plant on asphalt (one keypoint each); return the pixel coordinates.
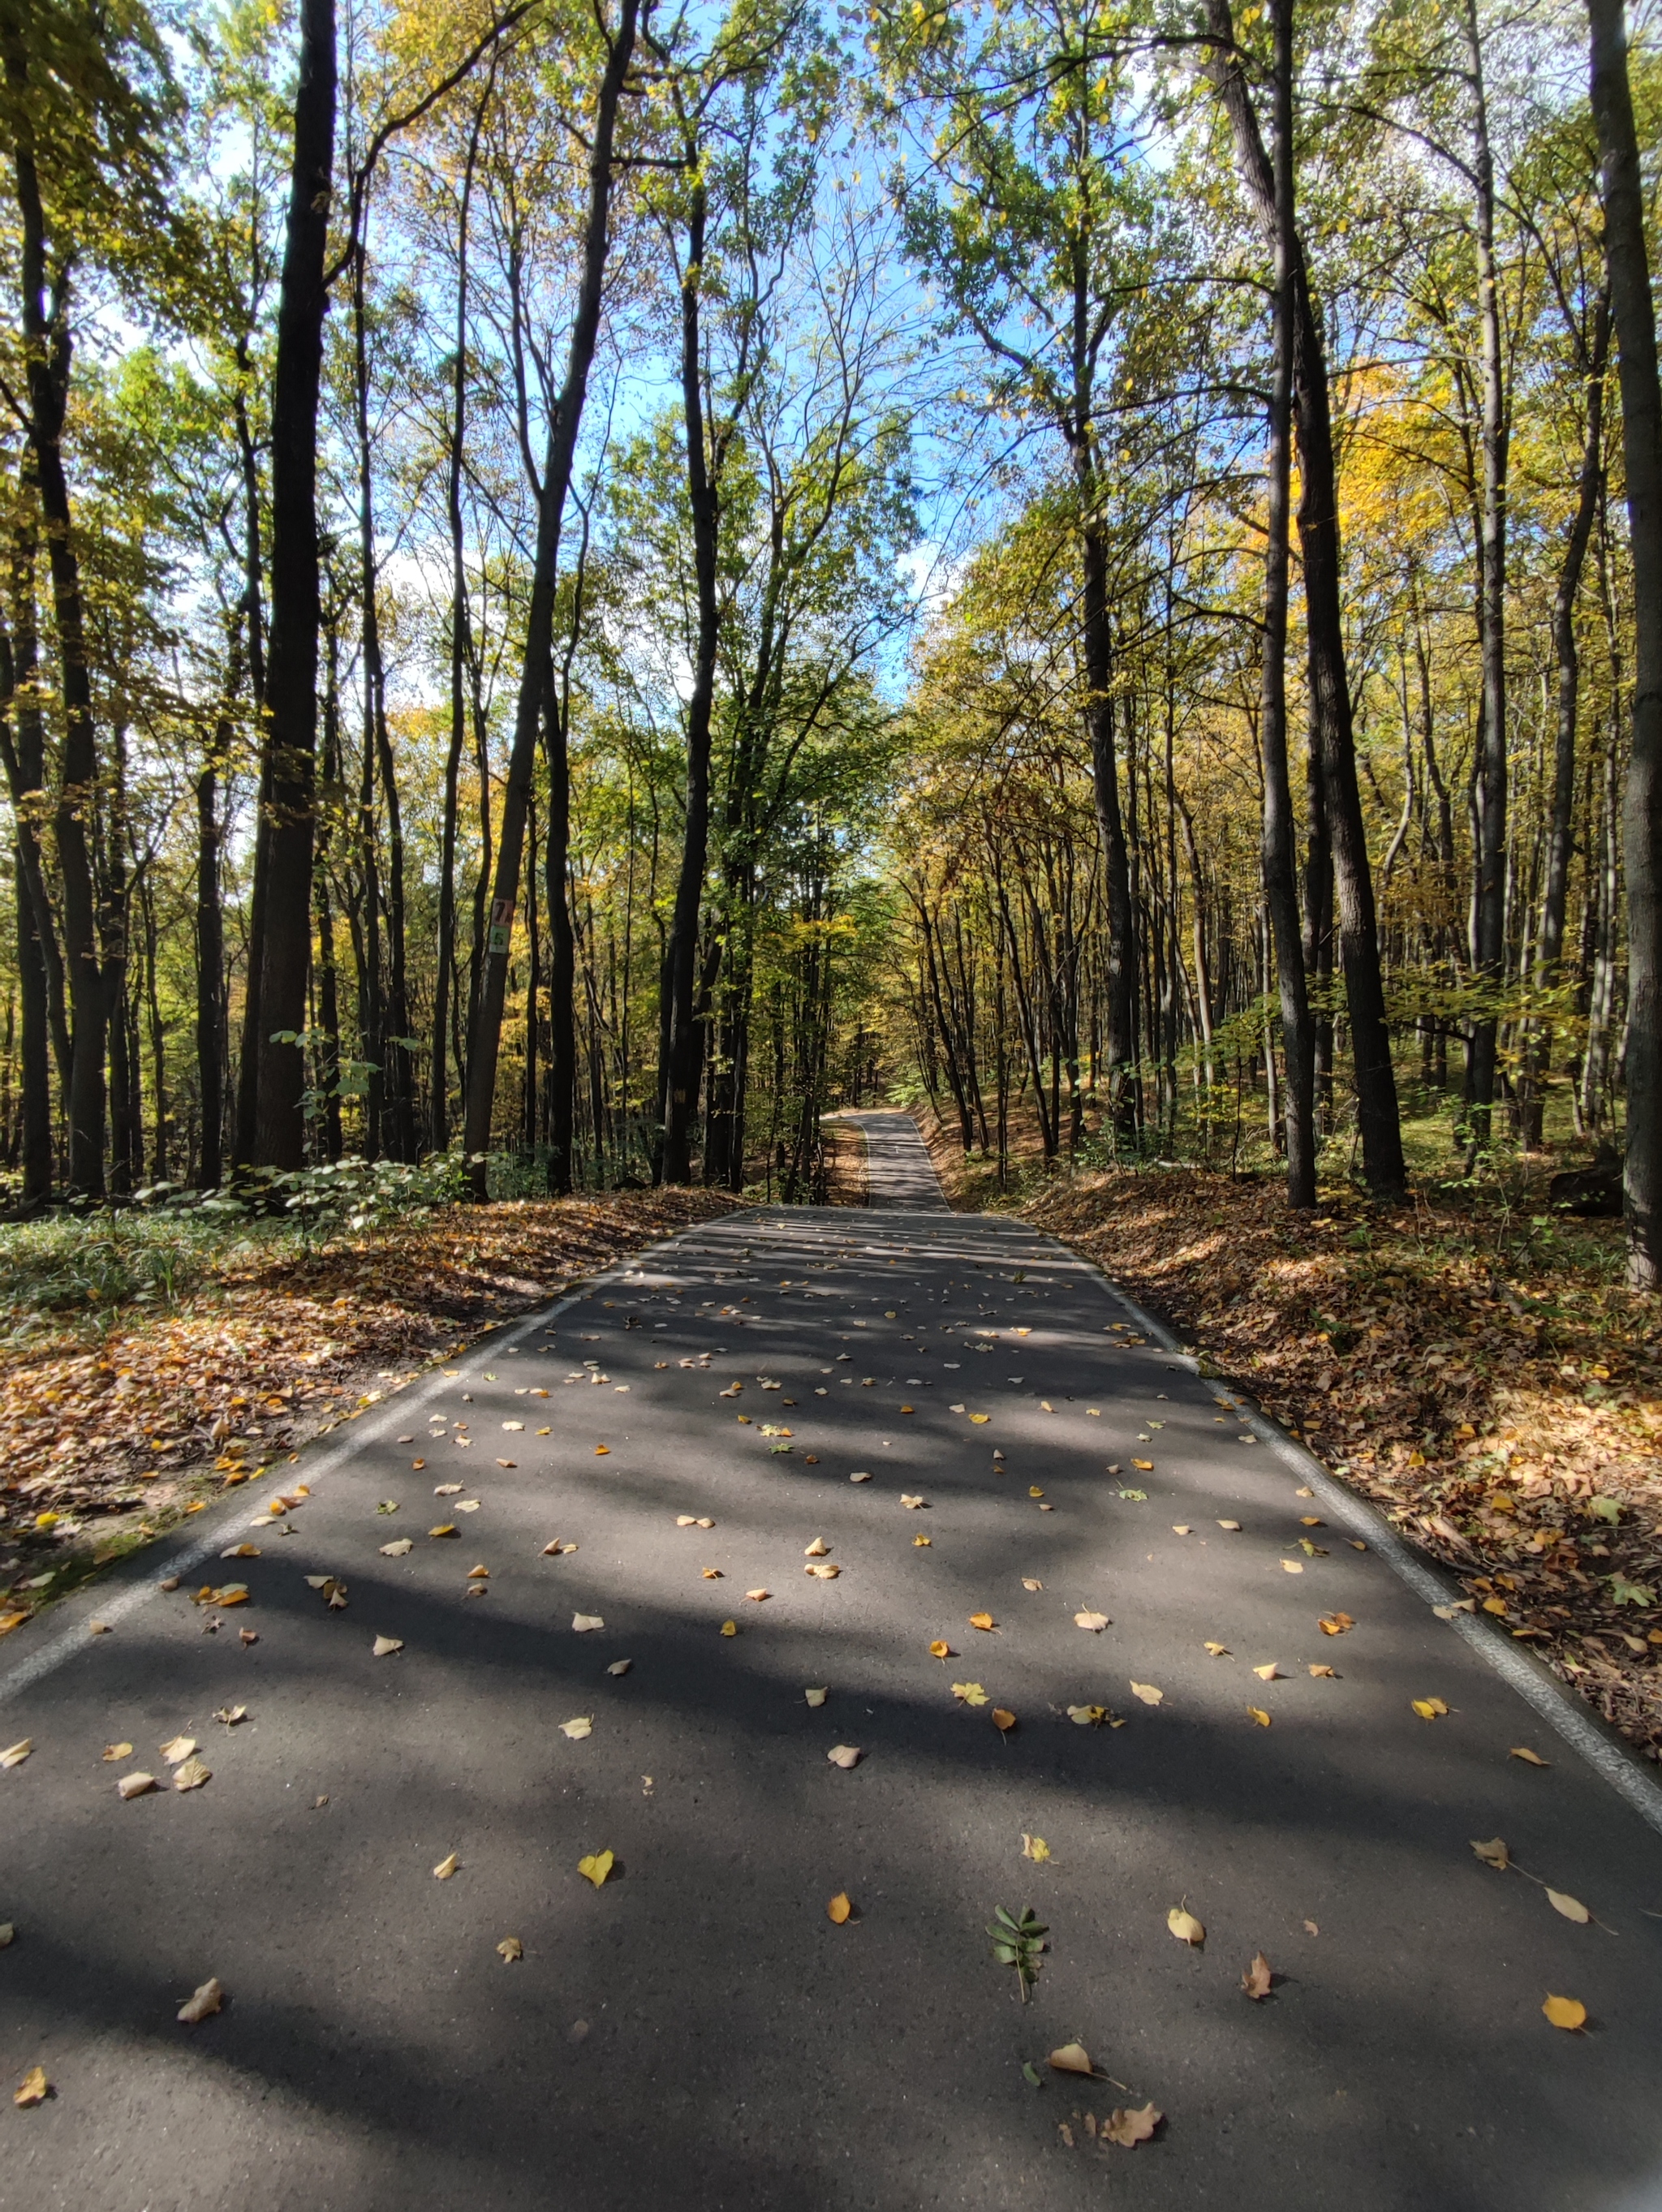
(1017, 1943)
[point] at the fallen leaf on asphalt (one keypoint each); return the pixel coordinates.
(447, 1490)
(1143, 1466)
(1181, 1529)
(135, 1785)
(192, 1774)
(1035, 1848)
(1034, 1493)
(686, 1521)
(1096, 1622)
(1324, 1672)
(620, 1667)
(1259, 1714)
(839, 1908)
(1028, 1582)
(208, 1997)
(1269, 1673)
(1430, 1709)
(1571, 1907)
(229, 1716)
(1219, 1651)
(578, 1729)
(7, 1934)
(704, 1522)
(1185, 1926)
(860, 1477)
(1334, 1624)
(1530, 1757)
(817, 1550)
(729, 1628)
(444, 1528)
(177, 1748)
(939, 1650)
(510, 1950)
(912, 1504)
(824, 1573)
(513, 1424)
(982, 1621)
(446, 1867)
(1310, 1521)
(1493, 1854)
(981, 1419)
(247, 1636)
(1461, 1605)
(601, 1450)
(1087, 1715)
(1147, 1692)
(816, 1698)
(1562, 2012)
(35, 2087)
(1257, 1979)
(1293, 1566)
(1233, 1526)
(711, 1574)
(396, 1551)
(1072, 2058)
(596, 1866)
(114, 1751)
(1311, 1928)
(241, 1552)
(384, 1646)
(1003, 1720)
(1130, 2128)
(844, 1754)
(467, 1505)
(969, 1693)
(583, 1622)
(761, 1596)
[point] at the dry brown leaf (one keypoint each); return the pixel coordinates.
(479, 1574)
(1257, 1980)
(241, 1552)
(1087, 1715)
(1530, 1757)
(823, 1571)
(229, 1716)
(761, 1596)
(1003, 1720)
(844, 1754)
(135, 1785)
(816, 1698)
(1072, 2058)
(839, 1909)
(1147, 1692)
(384, 1646)
(1130, 2128)
(191, 1775)
(178, 1748)
(1334, 1624)
(114, 1751)
(510, 1950)
(1218, 1651)
(1322, 1673)
(1096, 1622)
(1571, 1907)
(447, 1866)
(1565, 2012)
(208, 1997)
(1268, 1673)
(34, 2088)
(1185, 1926)
(982, 1621)
(711, 1574)
(818, 1549)
(1493, 1854)
(582, 1726)
(1030, 1582)
(913, 1505)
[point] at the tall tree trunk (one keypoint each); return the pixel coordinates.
(536, 677)
(1280, 860)
(562, 958)
(685, 1034)
(1329, 683)
(292, 662)
(1635, 314)
(37, 1160)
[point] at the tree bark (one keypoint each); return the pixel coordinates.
(1634, 313)
(536, 676)
(279, 1135)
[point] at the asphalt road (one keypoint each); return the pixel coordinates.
(697, 2033)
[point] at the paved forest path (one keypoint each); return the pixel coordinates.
(697, 2033)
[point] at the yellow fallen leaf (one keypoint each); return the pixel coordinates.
(939, 1650)
(1259, 1714)
(1322, 1673)
(759, 1596)
(397, 1550)
(1257, 1978)
(241, 1552)
(981, 1419)
(208, 1997)
(1035, 1848)
(1430, 1709)
(1003, 1720)
(712, 1574)
(479, 1574)
(1147, 1692)
(113, 1751)
(1087, 1715)
(982, 1621)
(191, 1775)
(1033, 1492)
(1218, 1651)
(135, 1785)
(1494, 1853)
(1072, 2058)
(1268, 1673)
(18, 1753)
(1571, 1907)
(1147, 1466)
(922, 1543)
(578, 1729)
(913, 1505)
(10, 1621)
(816, 1698)
(384, 1646)
(1334, 1624)
(844, 1754)
(510, 1950)
(685, 1521)
(1530, 1757)
(34, 2088)
(596, 1866)
(817, 1550)
(177, 1748)
(1185, 1926)
(1128, 2129)
(839, 1908)
(822, 1570)
(1233, 1526)
(1293, 1566)
(969, 1693)
(229, 1716)
(1028, 1582)
(444, 1528)
(447, 1490)
(446, 1867)
(584, 1623)
(1181, 1529)
(1096, 1622)
(1562, 2012)
(602, 1449)
(729, 1628)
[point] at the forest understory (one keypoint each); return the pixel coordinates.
(1496, 1393)
(118, 1417)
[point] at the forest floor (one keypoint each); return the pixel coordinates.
(1469, 1362)
(148, 1364)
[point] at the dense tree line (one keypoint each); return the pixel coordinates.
(582, 584)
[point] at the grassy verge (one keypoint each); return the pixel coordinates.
(146, 1362)
(1470, 1362)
